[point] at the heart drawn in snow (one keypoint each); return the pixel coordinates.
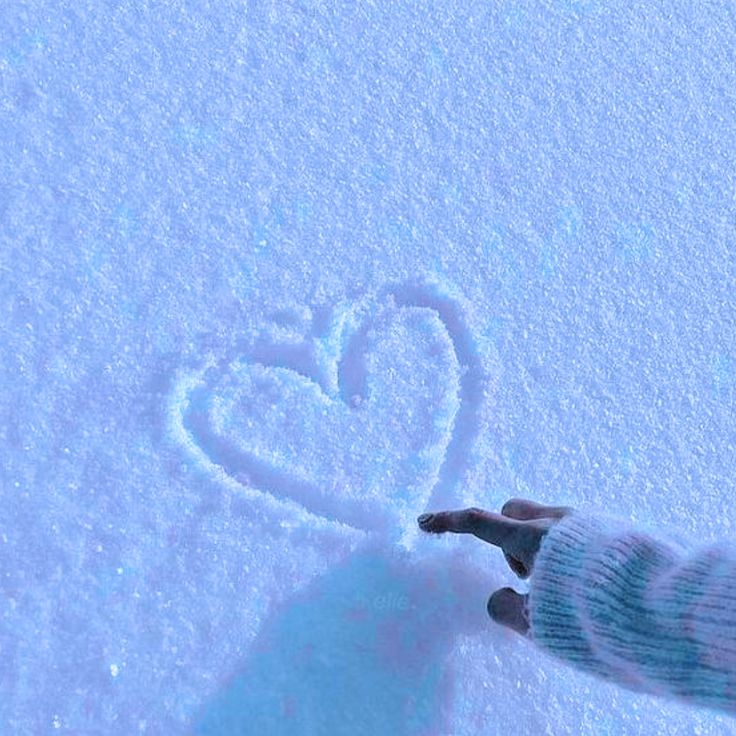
(361, 416)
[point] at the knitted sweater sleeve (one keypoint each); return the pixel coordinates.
(638, 607)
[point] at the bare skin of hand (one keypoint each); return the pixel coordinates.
(518, 530)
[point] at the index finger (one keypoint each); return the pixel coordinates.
(494, 528)
(489, 526)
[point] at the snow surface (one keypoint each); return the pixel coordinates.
(276, 277)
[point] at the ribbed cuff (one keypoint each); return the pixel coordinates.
(554, 602)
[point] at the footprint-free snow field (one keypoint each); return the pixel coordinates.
(276, 278)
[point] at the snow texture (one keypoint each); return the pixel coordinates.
(277, 277)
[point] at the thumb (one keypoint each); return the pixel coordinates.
(510, 609)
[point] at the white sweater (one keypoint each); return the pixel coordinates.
(638, 607)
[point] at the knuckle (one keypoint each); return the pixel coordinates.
(473, 515)
(511, 504)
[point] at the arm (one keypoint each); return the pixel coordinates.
(638, 607)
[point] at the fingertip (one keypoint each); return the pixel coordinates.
(510, 609)
(497, 605)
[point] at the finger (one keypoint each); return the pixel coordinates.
(522, 508)
(510, 609)
(486, 525)
(472, 521)
(517, 566)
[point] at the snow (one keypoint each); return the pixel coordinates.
(278, 277)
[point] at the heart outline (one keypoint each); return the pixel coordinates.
(333, 344)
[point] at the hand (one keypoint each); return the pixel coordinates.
(518, 530)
